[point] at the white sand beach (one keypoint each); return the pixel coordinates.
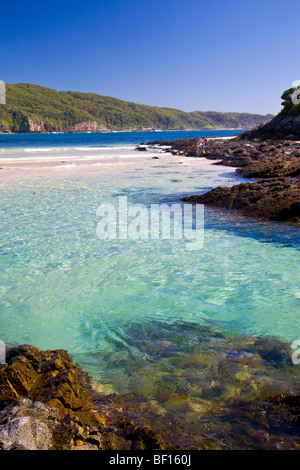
(71, 163)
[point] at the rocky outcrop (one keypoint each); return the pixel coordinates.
(141, 148)
(280, 127)
(47, 376)
(40, 126)
(28, 425)
(286, 125)
(32, 425)
(227, 393)
(53, 386)
(272, 199)
(37, 126)
(47, 403)
(254, 158)
(89, 126)
(258, 153)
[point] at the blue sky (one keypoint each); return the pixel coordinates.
(217, 55)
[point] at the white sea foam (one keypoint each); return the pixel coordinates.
(67, 149)
(105, 164)
(70, 165)
(78, 154)
(29, 159)
(43, 149)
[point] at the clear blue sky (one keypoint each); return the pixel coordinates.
(220, 55)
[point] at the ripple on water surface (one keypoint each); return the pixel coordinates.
(135, 313)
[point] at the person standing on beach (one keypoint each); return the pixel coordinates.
(200, 145)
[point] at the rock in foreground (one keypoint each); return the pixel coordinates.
(46, 403)
(224, 393)
(27, 425)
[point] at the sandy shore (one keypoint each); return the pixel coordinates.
(49, 169)
(66, 165)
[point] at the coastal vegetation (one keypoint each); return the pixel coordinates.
(289, 107)
(33, 108)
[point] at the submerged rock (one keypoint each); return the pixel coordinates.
(196, 388)
(208, 384)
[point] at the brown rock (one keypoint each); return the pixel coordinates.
(273, 199)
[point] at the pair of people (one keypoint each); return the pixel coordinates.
(201, 146)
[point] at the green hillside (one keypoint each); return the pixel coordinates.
(32, 108)
(290, 108)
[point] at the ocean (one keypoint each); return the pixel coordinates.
(100, 139)
(116, 305)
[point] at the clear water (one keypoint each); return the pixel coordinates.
(62, 287)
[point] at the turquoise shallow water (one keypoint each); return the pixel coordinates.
(62, 287)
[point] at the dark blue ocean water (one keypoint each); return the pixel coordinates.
(103, 139)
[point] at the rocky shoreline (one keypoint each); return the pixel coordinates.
(240, 393)
(47, 403)
(211, 390)
(269, 151)
(275, 197)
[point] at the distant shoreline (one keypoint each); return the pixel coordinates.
(35, 109)
(129, 130)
